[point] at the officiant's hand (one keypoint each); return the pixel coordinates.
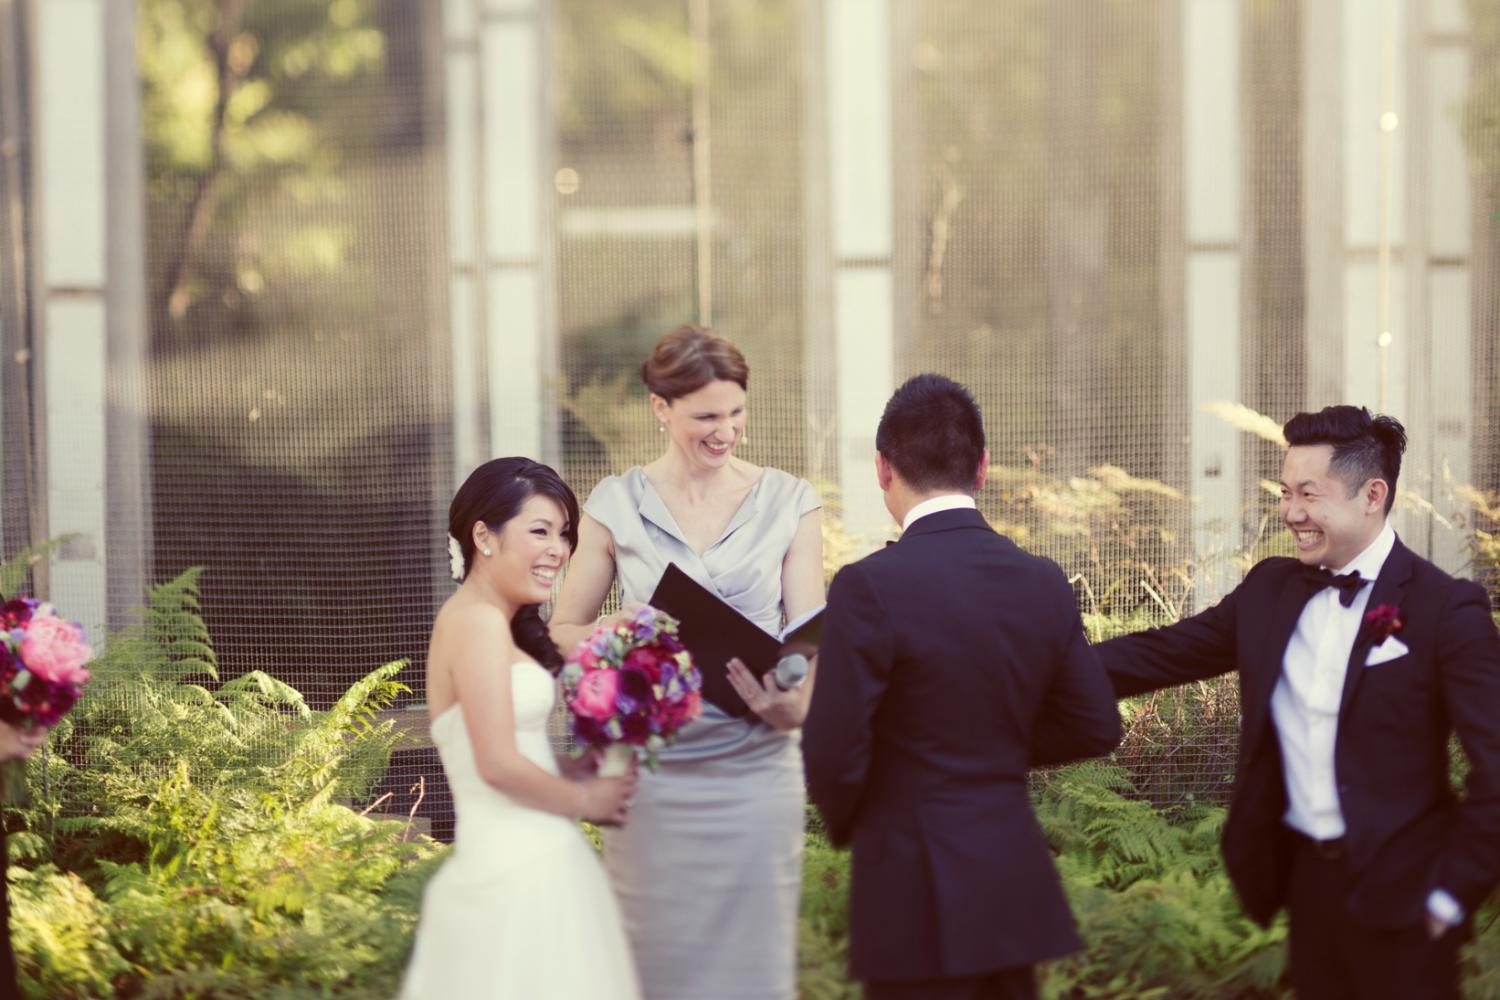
(778, 709)
(626, 612)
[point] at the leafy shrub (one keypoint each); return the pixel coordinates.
(1158, 916)
(192, 838)
(1154, 906)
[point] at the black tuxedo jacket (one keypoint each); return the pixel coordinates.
(1406, 830)
(949, 663)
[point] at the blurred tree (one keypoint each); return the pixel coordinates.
(231, 98)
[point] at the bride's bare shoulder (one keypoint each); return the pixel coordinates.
(464, 621)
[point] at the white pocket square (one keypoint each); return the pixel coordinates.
(1388, 650)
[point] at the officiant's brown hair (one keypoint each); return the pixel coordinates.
(689, 358)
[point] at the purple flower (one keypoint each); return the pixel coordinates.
(635, 683)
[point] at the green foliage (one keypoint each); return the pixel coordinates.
(192, 838)
(15, 570)
(1482, 958)
(1155, 909)
(1158, 916)
(823, 928)
(1153, 904)
(62, 931)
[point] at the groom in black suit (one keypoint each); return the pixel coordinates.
(1357, 661)
(950, 663)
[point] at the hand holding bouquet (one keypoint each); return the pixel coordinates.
(630, 687)
(42, 661)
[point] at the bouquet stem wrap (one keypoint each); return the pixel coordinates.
(616, 761)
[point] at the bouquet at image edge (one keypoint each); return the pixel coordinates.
(629, 686)
(41, 663)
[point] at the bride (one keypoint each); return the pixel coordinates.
(522, 907)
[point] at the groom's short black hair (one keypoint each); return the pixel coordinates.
(1365, 446)
(932, 434)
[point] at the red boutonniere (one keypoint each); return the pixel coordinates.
(1381, 622)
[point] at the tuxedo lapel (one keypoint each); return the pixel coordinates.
(1389, 588)
(1290, 601)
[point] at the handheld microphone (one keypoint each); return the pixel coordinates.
(790, 671)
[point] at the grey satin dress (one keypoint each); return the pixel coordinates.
(708, 872)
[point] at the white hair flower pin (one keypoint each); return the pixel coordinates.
(455, 559)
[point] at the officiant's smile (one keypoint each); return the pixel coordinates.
(705, 425)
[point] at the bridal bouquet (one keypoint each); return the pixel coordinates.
(41, 663)
(630, 687)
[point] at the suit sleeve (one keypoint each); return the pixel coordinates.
(1079, 717)
(1193, 649)
(1469, 662)
(854, 665)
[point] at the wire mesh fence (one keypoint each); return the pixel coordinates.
(300, 397)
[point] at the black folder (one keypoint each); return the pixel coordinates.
(714, 632)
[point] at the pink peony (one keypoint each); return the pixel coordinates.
(55, 651)
(596, 695)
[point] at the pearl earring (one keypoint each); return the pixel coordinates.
(661, 428)
(485, 551)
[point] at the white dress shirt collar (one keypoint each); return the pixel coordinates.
(1369, 562)
(932, 505)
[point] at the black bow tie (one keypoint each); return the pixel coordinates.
(1347, 583)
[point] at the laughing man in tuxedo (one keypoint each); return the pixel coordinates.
(949, 663)
(1357, 660)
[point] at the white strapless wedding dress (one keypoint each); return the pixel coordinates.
(521, 910)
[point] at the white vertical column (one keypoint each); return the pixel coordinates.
(1322, 159)
(1376, 341)
(858, 50)
(465, 295)
(1211, 125)
(1448, 206)
(128, 513)
(71, 167)
(518, 320)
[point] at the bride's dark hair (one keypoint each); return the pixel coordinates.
(494, 493)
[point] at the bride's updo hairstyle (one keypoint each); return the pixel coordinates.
(689, 358)
(494, 493)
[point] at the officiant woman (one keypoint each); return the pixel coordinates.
(709, 869)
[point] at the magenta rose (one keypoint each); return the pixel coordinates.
(16, 612)
(675, 715)
(55, 650)
(596, 694)
(646, 659)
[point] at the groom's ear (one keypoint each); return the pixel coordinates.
(984, 468)
(883, 472)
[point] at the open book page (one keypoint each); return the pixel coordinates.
(805, 628)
